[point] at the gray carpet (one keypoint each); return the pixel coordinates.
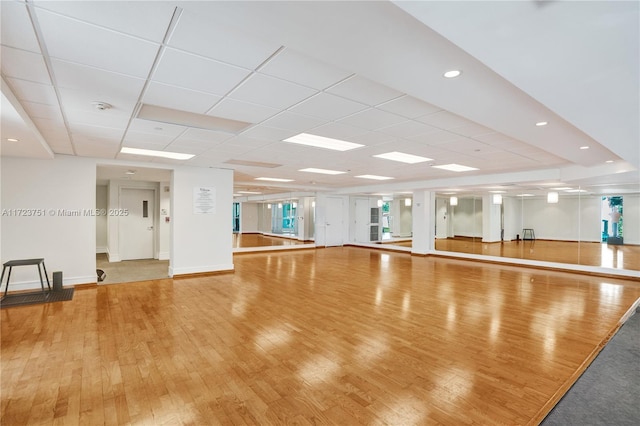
(608, 392)
(32, 298)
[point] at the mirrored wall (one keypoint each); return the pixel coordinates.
(573, 227)
(276, 221)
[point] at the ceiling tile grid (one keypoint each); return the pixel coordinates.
(192, 57)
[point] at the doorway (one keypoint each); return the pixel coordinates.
(333, 222)
(137, 235)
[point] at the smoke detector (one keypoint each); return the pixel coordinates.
(101, 106)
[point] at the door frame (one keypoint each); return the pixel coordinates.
(156, 219)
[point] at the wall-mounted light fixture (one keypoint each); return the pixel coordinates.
(453, 201)
(497, 198)
(269, 206)
(407, 202)
(552, 197)
(379, 203)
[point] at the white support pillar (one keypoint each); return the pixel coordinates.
(491, 220)
(423, 214)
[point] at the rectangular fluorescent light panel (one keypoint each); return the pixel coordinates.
(321, 171)
(374, 177)
(274, 179)
(322, 142)
(152, 153)
(403, 158)
(455, 168)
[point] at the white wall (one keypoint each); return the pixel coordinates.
(164, 227)
(631, 218)
(467, 217)
(102, 203)
(56, 188)
(512, 217)
(201, 242)
(249, 217)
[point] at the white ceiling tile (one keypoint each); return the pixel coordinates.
(186, 149)
(372, 138)
(372, 119)
(109, 119)
(97, 150)
(471, 130)
(122, 16)
(206, 135)
(328, 107)
(33, 92)
(269, 91)
(466, 146)
(242, 111)
(16, 29)
(409, 107)
(365, 91)
(444, 120)
(197, 34)
(408, 129)
(36, 110)
(100, 48)
(296, 122)
(240, 145)
(60, 147)
(88, 133)
(268, 133)
(197, 73)
(23, 65)
(298, 68)
(337, 130)
(80, 86)
(179, 98)
(154, 128)
(435, 138)
(195, 144)
(154, 145)
(147, 138)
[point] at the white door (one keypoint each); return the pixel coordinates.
(362, 221)
(333, 222)
(136, 223)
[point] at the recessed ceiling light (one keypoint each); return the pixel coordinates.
(609, 161)
(576, 190)
(130, 172)
(13, 140)
(498, 192)
(455, 168)
(562, 188)
(322, 142)
(152, 153)
(374, 177)
(403, 158)
(525, 195)
(541, 123)
(452, 74)
(584, 147)
(321, 171)
(274, 179)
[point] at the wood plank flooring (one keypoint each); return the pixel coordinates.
(341, 336)
(578, 253)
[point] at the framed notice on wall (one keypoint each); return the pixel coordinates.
(204, 200)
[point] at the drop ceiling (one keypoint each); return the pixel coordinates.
(364, 72)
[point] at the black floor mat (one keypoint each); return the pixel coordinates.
(33, 298)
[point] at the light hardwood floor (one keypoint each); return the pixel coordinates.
(341, 336)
